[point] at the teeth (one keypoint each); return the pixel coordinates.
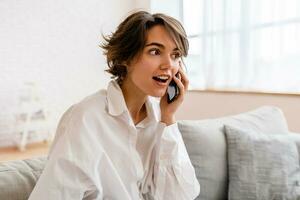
(163, 77)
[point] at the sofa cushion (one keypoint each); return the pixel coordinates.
(206, 145)
(17, 178)
(262, 166)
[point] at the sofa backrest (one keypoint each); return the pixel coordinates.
(206, 144)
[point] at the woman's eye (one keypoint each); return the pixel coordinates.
(176, 55)
(154, 52)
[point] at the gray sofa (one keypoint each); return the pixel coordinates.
(206, 144)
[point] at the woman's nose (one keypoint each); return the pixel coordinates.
(168, 62)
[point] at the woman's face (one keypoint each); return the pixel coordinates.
(151, 72)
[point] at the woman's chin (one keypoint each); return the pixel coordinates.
(158, 94)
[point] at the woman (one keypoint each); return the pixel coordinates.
(121, 143)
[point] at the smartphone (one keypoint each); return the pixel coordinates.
(173, 90)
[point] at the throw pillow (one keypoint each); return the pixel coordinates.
(262, 166)
(206, 144)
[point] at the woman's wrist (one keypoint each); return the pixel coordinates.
(168, 120)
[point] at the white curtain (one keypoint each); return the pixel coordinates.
(243, 44)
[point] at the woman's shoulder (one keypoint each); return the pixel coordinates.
(80, 117)
(91, 104)
(90, 107)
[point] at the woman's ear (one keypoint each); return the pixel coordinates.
(126, 65)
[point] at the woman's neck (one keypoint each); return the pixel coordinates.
(135, 101)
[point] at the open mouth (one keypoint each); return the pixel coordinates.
(161, 78)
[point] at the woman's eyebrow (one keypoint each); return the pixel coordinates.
(155, 44)
(159, 45)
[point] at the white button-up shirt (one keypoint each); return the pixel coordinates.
(98, 153)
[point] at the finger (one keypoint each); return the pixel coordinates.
(184, 79)
(179, 84)
(180, 97)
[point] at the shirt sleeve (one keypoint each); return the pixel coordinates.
(173, 174)
(65, 176)
(61, 179)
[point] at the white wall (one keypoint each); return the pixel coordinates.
(55, 44)
(143, 4)
(209, 104)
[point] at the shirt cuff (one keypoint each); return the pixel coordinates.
(170, 147)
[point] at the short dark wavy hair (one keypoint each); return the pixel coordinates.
(129, 39)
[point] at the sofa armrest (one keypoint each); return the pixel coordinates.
(18, 177)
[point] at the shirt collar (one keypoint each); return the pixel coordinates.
(153, 108)
(117, 104)
(115, 99)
